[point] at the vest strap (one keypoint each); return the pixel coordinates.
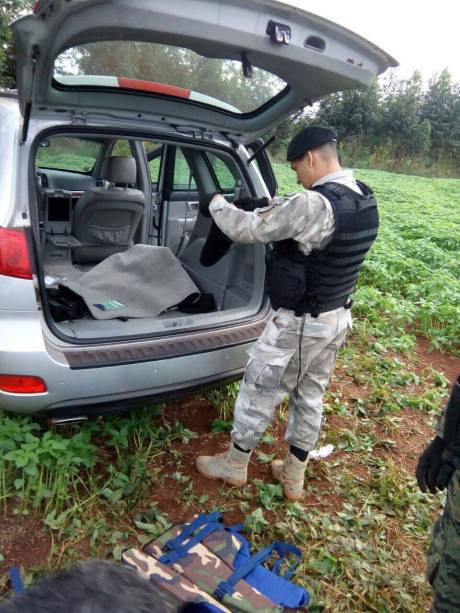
(314, 310)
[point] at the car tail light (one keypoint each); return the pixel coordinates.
(38, 5)
(22, 384)
(14, 254)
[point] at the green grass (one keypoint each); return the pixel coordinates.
(66, 161)
(365, 537)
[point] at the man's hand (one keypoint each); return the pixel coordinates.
(434, 469)
(250, 204)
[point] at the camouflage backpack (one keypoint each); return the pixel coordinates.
(205, 562)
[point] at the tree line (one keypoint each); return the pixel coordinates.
(10, 10)
(395, 124)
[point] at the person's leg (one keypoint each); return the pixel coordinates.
(306, 406)
(261, 390)
(444, 555)
(306, 402)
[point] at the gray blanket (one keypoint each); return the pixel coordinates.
(140, 282)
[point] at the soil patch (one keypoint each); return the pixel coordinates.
(178, 472)
(445, 362)
(24, 541)
(411, 436)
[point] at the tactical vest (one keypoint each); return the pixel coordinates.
(212, 565)
(323, 280)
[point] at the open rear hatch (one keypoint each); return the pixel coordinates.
(260, 60)
(202, 68)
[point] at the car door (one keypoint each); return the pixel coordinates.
(180, 207)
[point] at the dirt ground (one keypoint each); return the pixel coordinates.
(25, 541)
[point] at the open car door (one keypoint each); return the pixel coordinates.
(233, 67)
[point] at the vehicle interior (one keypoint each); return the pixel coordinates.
(128, 212)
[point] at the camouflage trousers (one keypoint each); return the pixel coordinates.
(286, 362)
(444, 554)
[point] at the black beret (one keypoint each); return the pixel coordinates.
(309, 138)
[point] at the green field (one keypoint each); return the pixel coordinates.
(92, 490)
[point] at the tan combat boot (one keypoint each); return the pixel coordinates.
(290, 472)
(230, 466)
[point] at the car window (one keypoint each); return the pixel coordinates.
(226, 181)
(183, 180)
(68, 153)
(154, 152)
(167, 70)
(121, 147)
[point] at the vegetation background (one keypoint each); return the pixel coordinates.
(69, 494)
(364, 527)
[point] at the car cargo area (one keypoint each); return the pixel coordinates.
(125, 247)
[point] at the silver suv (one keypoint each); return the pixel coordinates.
(116, 288)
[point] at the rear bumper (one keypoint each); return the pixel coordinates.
(133, 401)
(102, 385)
(165, 348)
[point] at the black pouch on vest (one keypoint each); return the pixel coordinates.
(285, 282)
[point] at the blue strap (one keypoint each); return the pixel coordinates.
(187, 532)
(16, 580)
(181, 551)
(228, 586)
(283, 549)
(176, 549)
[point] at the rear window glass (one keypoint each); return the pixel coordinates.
(223, 175)
(68, 153)
(167, 70)
(183, 178)
(122, 147)
(154, 153)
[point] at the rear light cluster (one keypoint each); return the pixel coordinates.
(39, 5)
(15, 262)
(22, 384)
(14, 254)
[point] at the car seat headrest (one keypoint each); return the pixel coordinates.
(121, 169)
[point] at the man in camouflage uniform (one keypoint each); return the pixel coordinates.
(438, 468)
(320, 238)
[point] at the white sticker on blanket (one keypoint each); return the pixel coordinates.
(112, 305)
